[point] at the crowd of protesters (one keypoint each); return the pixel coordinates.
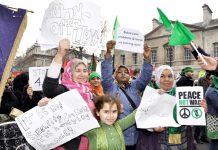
(120, 94)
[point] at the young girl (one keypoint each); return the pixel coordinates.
(109, 136)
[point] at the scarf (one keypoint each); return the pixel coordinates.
(174, 132)
(97, 90)
(102, 143)
(83, 88)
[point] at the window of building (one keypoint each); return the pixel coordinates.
(215, 47)
(153, 56)
(170, 54)
(134, 58)
(187, 54)
(122, 59)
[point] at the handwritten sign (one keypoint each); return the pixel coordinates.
(189, 111)
(129, 40)
(64, 118)
(155, 110)
(36, 77)
(78, 21)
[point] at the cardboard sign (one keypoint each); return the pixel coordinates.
(79, 21)
(189, 111)
(36, 77)
(129, 40)
(155, 110)
(65, 117)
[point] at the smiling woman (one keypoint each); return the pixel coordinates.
(166, 137)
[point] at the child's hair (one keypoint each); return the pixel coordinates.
(101, 100)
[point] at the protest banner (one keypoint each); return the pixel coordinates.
(129, 40)
(79, 21)
(36, 77)
(189, 111)
(155, 110)
(65, 117)
(12, 26)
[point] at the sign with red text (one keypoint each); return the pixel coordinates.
(189, 111)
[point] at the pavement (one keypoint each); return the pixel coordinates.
(204, 146)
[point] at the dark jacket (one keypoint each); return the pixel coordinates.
(185, 81)
(28, 103)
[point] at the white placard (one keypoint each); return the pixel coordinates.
(36, 77)
(129, 40)
(155, 110)
(64, 118)
(189, 111)
(77, 20)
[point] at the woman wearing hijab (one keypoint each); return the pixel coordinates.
(75, 76)
(95, 81)
(166, 138)
(211, 97)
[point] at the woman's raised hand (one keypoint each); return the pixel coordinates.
(64, 46)
(110, 46)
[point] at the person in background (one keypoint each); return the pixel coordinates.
(30, 98)
(166, 138)
(211, 97)
(95, 81)
(136, 73)
(129, 92)
(186, 77)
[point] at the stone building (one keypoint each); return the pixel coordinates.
(206, 33)
(35, 57)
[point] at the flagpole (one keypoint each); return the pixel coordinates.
(199, 54)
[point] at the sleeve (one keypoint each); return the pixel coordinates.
(107, 75)
(211, 97)
(54, 70)
(195, 54)
(51, 86)
(145, 76)
(128, 121)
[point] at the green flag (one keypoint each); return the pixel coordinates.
(116, 25)
(181, 35)
(166, 22)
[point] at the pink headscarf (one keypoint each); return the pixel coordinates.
(83, 88)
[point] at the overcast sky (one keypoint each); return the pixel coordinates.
(135, 14)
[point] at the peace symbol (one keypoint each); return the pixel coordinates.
(184, 113)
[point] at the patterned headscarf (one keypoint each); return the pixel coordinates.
(83, 88)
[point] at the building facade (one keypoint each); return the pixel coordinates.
(206, 33)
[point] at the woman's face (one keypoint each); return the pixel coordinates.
(166, 80)
(80, 74)
(95, 81)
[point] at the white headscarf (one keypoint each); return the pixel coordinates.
(159, 71)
